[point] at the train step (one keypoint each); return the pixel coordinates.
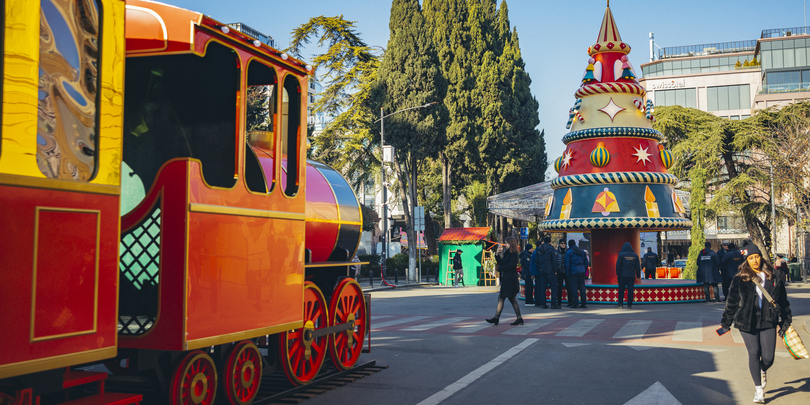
(107, 398)
(75, 378)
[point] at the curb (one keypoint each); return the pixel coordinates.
(399, 286)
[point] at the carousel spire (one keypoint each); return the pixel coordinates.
(609, 39)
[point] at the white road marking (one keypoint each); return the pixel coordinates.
(735, 334)
(476, 374)
(398, 321)
(575, 344)
(580, 328)
(633, 330)
(657, 394)
(471, 328)
(375, 317)
(688, 332)
(640, 348)
(436, 324)
(529, 327)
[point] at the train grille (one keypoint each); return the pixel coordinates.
(140, 267)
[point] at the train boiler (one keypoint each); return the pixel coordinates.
(198, 247)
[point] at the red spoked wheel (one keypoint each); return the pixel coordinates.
(194, 380)
(347, 305)
(243, 373)
(302, 355)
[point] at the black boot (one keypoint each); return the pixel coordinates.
(518, 321)
(493, 320)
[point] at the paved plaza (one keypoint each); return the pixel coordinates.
(440, 350)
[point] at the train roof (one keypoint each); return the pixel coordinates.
(154, 28)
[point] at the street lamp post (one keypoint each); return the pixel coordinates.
(382, 178)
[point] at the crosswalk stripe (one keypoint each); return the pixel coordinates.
(471, 328)
(436, 324)
(376, 317)
(688, 332)
(398, 321)
(735, 334)
(580, 328)
(529, 327)
(633, 330)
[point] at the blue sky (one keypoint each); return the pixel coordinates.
(554, 35)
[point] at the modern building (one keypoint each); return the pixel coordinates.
(733, 80)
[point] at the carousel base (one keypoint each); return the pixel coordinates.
(648, 291)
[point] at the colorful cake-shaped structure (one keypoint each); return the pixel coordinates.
(613, 180)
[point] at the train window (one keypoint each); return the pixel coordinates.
(182, 106)
(290, 133)
(261, 116)
(67, 122)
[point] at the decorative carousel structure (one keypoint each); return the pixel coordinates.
(613, 180)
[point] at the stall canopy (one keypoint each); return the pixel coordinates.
(526, 204)
(529, 203)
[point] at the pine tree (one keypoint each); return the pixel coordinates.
(410, 76)
(451, 37)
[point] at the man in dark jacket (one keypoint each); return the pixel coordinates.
(576, 261)
(526, 272)
(723, 250)
(729, 267)
(651, 261)
(545, 263)
(708, 272)
(628, 267)
(561, 275)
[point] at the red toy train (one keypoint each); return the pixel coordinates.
(154, 229)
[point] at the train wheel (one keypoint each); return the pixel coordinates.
(302, 355)
(347, 305)
(194, 381)
(243, 373)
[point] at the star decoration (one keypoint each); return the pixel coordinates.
(567, 157)
(642, 155)
(611, 109)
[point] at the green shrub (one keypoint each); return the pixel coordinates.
(374, 265)
(398, 263)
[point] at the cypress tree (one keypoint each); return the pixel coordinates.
(410, 76)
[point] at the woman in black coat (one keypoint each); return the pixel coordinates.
(507, 266)
(755, 316)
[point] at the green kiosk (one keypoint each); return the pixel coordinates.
(471, 242)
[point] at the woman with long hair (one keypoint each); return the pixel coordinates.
(753, 314)
(507, 259)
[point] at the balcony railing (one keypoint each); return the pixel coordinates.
(785, 32)
(784, 88)
(247, 30)
(707, 49)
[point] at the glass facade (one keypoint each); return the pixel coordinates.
(692, 66)
(682, 97)
(787, 53)
(723, 98)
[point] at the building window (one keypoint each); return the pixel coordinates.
(682, 97)
(724, 98)
(730, 225)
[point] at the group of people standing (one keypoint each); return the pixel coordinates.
(549, 268)
(718, 268)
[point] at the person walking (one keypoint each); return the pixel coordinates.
(628, 267)
(729, 267)
(545, 264)
(507, 259)
(458, 269)
(724, 248)
(526, 272)
(561, 274)
(708, 272)
(749, 309)
(651, 262)
(576, 261)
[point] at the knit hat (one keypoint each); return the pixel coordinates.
(750, 248)
(529, 246)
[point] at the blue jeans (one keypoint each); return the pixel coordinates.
(546, 281)
(576, 284)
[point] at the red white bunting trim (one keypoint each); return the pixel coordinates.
(613, 87)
